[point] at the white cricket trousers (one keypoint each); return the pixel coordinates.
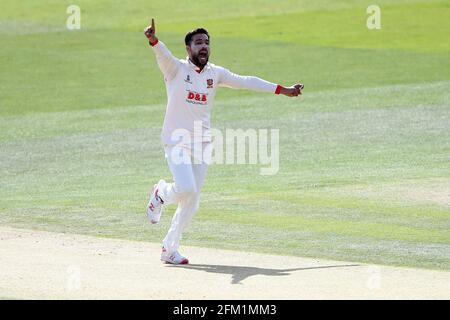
(188, 177)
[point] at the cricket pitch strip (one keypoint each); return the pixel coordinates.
(46, 265)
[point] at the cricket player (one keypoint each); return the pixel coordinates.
(191, 86)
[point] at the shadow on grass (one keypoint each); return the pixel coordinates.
(241, 273)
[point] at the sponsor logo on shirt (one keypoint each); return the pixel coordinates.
(196, 98)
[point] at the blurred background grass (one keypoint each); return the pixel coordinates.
(364, 162)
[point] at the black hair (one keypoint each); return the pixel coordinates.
(190, 34)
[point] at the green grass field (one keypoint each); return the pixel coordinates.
(365, 152)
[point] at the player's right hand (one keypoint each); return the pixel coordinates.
(150, 33)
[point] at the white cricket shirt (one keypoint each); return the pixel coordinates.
(191, 92)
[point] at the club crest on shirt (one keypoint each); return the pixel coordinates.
(188, 79)
(209, 83)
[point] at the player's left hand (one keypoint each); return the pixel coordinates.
(293, 91)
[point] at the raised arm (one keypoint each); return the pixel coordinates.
(168, 64)
(234, 81)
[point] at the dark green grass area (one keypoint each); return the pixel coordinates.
(364, 154)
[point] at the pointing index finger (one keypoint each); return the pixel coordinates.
(153, 23)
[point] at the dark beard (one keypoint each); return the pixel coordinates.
(196, 61)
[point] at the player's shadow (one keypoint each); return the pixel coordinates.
(239, 273)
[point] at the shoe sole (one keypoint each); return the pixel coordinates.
(154, 218)
(184, 261)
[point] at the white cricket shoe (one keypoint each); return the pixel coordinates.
(154, 207)
(173, 258)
